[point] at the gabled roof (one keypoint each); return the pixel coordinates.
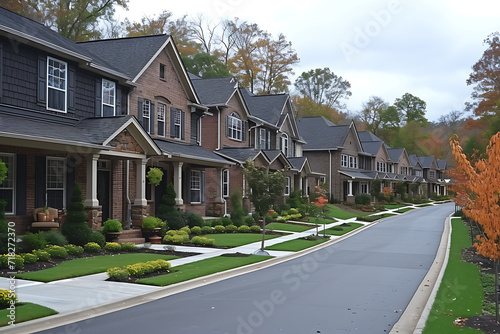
(214, 91)
(426, 161)
(442, 164)
(372, 147)
(367, 136)
(414, 161)
(395, 154)
(267, 108)
(359, 175)
(133, 56)
(194, 153)
(321, 134)
(19, 28)
(240, 155)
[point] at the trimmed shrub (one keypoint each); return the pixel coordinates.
(238, 213)
(7, 261)
(112, 247)
(203, 241)
(151, 222)
(196, 230)
(112, 226)
(293, 211)
(255, 229)
(92, 247)
(137, 270)
(167, 210)
(363, 199)
(231, 228)
(192, 219)
(98, 238)
(186, 229)
(244, 229)
(32, 241)
(176, 237)
(57, 252)
(29, 258)
(75, 227)
(73, 249)
(42, 255)
(219, 229)
(226, 221)
(118, 274)
(7, 298)
(55, 238)
(206, 230)
(128, 247)
(249, 220)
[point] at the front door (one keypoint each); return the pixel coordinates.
(103, 177)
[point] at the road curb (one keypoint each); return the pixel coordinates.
(414, 318)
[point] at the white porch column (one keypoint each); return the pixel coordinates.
(178, 183)
(91, 195)
(349, 182)
(140, 192)
(219, 198)
(307, 186)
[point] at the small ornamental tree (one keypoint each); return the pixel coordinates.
(265, 187)
(167, 210)
(477, 188)
(75, 227)
(318, 204)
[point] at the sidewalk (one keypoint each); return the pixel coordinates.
(92, 291)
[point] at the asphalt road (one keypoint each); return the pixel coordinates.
(359, 285)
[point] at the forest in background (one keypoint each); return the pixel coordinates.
(264, 64)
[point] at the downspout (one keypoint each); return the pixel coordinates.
(330, 171)
(127, 196)
(218, 127)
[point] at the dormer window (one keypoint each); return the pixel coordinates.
(234, 127)
(108, 98)
(56, 84)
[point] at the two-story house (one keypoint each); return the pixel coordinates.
(63, 119)
(165, 102)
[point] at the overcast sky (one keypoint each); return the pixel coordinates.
(382, 47)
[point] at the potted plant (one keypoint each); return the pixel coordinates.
(154, 175)
(48, 216)
(41, 216)
(151, 226)
(112, 229)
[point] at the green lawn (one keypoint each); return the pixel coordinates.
(337, 212)
(90, 265)
(288, 227)
(376, 217)
(321, 220)
(345, 229)
(461, 292)
(404, 210)
(237, 239)
(202, 268)
(25, 312)
(296, 245)
(393, 206)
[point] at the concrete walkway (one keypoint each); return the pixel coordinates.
(88, 292)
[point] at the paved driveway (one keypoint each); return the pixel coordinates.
(359, 285)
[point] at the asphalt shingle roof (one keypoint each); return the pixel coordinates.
(98, 130)
(297, 162)
(426, 160)
(368, 136)
(372, 147)
(214, 91)
(239, 154)
(321, 134)
(395, 153)
(189, 151)
(128, 55)
(265, 107)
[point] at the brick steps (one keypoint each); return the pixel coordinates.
(133, 235)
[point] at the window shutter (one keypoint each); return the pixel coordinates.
(118, 101)
(203, 185)
(152, 119)
(70, 178)
(71, 88)
(183, 125)
(140, 102)
(243, 130)
(1, 70)
(98, 97)
(188, 178)
(40, 178)
(172, 120)
(41, 96)
(21, 170)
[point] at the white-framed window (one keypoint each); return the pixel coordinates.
(287, 186)
(56, 182)
(162, 71)
(345, 160)
(353, 162)
(161, 119)
(195, 186)
(364, 188)
(419, 173)
(404, 170)
(284, 144)
(108, 97)
(263, 139)
(225, 183)
(381, 166)
(322, 179)
(234, 127)
(432, 174)
(177, 123)
(146, 115)
(57, 75)
(8, 186)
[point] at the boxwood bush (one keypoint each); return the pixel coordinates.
(7, 298)
(255, 229)
(231, 228)
(57, 252)
(112, 247)
(73, 249)
(206, 230)
(249, 220)
(137, 269)
(244, 229)
(111, 226)
(92, 247)
(17, 261)
(128, 247)
(29, 258)
(196, 230)
(98, 238)
(176, 237)
(202, 241)
(151, 222)
(41, 254)
(219, 229)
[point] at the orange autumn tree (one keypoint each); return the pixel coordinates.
(477, 186)
(319, 200)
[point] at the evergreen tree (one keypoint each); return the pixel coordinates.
(75, 228)
(167, 210)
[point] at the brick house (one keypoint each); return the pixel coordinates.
(168, 108)
(63, 119)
